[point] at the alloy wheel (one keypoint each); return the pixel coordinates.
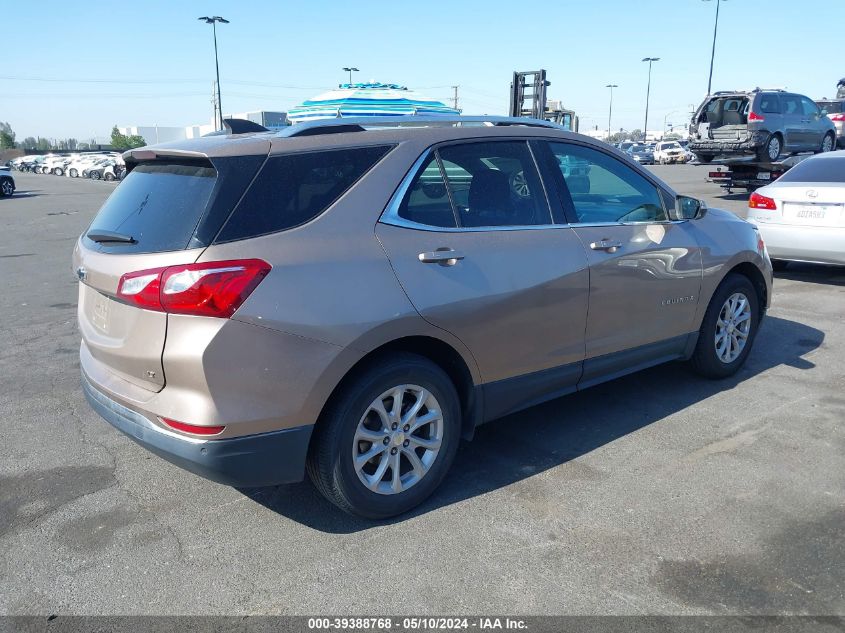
(827, 144)
(397, 439)
(774, 148)
(733, 327)
(6, 187)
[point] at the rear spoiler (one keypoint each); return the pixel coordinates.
(238, 126)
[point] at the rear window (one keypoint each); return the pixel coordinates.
(832, 107)
(822, 169)
(294, 188)
(158, 205)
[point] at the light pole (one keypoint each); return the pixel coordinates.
(713, 51)
(650, 60)
(610, 109)
(350, 70)
(213, 20)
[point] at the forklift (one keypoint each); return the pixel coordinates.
(528, 99)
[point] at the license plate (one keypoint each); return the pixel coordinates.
(100, 313)
(764, 175)
(827, 213)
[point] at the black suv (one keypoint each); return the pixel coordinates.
(765, 123)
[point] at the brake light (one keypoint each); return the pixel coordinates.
(837, 117)
(193, 428)
(756, 201)
(214, 289)
(753, 116)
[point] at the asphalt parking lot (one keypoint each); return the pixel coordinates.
(658, 493)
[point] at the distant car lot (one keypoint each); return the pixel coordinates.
(657, 493)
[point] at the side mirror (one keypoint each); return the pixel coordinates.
(687, 208)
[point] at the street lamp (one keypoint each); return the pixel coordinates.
(650, 60)
(213, 20)
(713, 51)
(350, 70)
(610, 109)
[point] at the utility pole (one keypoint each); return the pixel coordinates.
(455, 98)
(650, 60)
(610, 109)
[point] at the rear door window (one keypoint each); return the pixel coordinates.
(494, 184)
(158, 205)
(292, 189)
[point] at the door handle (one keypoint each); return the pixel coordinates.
(610, 246)
(443, 256)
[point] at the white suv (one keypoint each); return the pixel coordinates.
(669, 152)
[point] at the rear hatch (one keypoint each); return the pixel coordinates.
(809, 194)
(723, 118)
(164, 213)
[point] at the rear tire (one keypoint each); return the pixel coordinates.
(73, 173)
(829, 143)
(94, 175)
(108, 177)
(728, 329)
(58, 171)
(771, 151)
(368, 399)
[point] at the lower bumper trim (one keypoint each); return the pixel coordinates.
(266, 459)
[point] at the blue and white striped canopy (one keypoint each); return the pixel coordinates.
(367, 99)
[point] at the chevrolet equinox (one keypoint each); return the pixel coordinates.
(351, 298)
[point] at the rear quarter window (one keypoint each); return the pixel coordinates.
(292, 189)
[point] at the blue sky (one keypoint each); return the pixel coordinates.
(151, 62)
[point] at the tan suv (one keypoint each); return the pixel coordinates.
(351, 298)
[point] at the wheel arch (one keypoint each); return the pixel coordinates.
(755, 276)
(434, 349)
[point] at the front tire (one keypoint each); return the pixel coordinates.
(94, 175)
(7, 188)
(108, 177)
(728, 329)
(389, 437)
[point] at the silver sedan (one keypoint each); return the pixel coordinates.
(801, 216)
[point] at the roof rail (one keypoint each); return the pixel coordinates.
(360, 124)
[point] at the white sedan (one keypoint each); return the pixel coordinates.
(801, 216)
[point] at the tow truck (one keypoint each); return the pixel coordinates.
(748, 172)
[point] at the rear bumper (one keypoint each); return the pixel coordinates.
(265, 459)
(714, 146)
(816, 244)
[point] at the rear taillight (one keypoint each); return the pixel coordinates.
(215, 289)
(837, 117)
(756, 201)
(753, 116)
(193, 428)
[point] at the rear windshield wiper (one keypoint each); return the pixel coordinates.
(109, 236)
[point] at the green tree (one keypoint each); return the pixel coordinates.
(42, 143)
(29, 142)
(122, 141)
(7, 136)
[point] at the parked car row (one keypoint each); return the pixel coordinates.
(662, 152)
(96, 166)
